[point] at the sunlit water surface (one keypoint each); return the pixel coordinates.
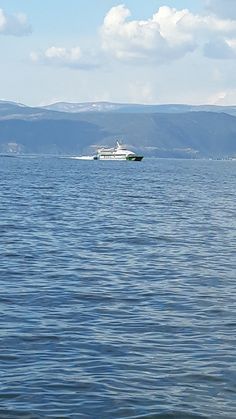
(117, 289)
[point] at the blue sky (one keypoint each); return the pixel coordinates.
(135, 51)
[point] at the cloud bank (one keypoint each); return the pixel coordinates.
(168, 35)
(15, 25)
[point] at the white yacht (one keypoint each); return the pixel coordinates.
(119, 152)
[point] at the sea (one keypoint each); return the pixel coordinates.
(117, 289)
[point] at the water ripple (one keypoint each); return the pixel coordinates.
(117, 289)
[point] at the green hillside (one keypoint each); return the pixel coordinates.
(189, 134)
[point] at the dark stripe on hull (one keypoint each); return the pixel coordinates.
(134, 158)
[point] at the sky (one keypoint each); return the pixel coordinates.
(130, 51)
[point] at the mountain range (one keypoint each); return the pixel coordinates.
(136, 108)
(62, 128)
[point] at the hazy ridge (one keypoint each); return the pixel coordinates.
(154, 130)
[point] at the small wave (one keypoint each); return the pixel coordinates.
(171, 415)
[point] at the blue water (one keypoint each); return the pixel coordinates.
(117, 289)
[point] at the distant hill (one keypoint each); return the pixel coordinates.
(188, 134)
(136, 108)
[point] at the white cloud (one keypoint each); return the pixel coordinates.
(15, 25)
(63, 57)
(223, 97)
(168, 35)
